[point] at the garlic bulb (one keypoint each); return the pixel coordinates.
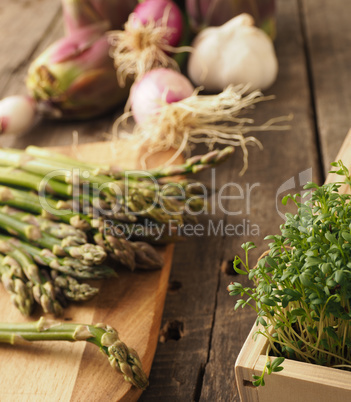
(234, 53)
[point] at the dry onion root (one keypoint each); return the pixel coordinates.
(145, 45)
(209, 119)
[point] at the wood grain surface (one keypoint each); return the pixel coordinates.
(328, 38)
(204, 336)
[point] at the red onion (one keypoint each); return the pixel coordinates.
(157, 87)
(158, 12)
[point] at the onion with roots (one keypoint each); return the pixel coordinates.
(171, 114)
(150, 36)
(159, 86)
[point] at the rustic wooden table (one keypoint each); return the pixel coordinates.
(202, 333)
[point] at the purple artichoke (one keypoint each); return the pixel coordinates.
(75, 77)
(203, 13)
(80, 13)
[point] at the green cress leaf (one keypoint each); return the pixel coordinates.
(277, 362)
(339, 276)
(293, 293)
(329, 236)
(268, 302)
(270, 261)
(238, 261)
(331, 333)
(239, 303)
(298, 312)
(240, 271)
(346, 236)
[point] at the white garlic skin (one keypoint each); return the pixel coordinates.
(234, 53)
(17, 114)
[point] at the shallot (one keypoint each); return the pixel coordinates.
(158, 86)
(151, 34)
(17, 114)
(74, 77)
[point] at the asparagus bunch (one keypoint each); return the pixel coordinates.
(55, 212)
(125, 360)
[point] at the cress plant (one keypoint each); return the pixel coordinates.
(301, 287)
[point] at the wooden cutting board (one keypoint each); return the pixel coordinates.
(132, 303)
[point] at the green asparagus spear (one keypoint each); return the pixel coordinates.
(16, 284)
(43, 290)
(146, 257)
(55, 229)
(30, 202)
(192, 165)
(41, 167)
(121, 358)
(118, 248)
(17, 177)
(66, 160)
(71, 288)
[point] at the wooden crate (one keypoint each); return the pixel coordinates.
(298, 382)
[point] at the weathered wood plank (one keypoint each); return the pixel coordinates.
(16, 79)
(284, 157)
(328, 43)
(181, 370)
(23, 25)
(178, 365)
